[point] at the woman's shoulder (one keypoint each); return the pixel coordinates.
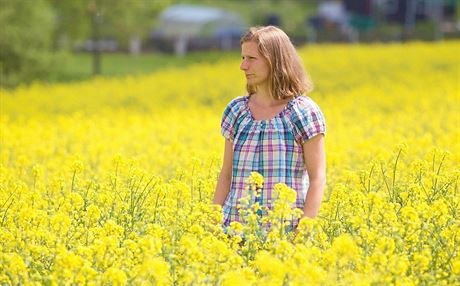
(304, 101)
(306, 118)
(237, 104)
(233, 116)
(240, 100)
(303, 104)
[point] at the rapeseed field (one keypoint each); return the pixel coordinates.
(110, 181)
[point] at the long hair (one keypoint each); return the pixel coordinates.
(287, 76)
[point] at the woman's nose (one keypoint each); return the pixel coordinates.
(244, 65)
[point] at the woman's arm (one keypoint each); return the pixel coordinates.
(225, 176)
(315, 164)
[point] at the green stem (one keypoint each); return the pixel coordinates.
(73, 180)
(394, 172)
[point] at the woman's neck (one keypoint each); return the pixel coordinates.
(263, 96)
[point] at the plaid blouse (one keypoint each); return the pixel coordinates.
(271, 147)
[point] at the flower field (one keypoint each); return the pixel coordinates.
(110, 181)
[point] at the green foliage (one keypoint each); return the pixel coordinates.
(119, 19)
(25, 40)
(98, 19)
(32, 34)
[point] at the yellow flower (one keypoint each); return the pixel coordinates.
(93, 213)
(284, 193)
(153, 270)
(256, 180)
(238, 277)
(398, 265)
(269, 265)
(345, 249)
(115, 276)
(236, 226)
(60, 223)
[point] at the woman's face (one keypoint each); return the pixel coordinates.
(254, 66)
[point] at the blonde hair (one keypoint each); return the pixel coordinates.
(287, 76)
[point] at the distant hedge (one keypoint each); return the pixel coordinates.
(25, 41)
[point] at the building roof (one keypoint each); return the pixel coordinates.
(196, 14)
(189, 20)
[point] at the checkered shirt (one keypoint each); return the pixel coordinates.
(271, 147)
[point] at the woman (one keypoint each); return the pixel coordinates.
(274, 130)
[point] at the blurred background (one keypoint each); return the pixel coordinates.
(61, 41)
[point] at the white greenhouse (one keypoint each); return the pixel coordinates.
(186, 27)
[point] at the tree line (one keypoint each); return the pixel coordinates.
(36, 35)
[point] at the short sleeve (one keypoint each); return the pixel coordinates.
(228, 120)
(308, 120)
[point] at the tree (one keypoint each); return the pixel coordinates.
(122, 20)
(25, 41)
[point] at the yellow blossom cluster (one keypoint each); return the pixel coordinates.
(110, 181)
